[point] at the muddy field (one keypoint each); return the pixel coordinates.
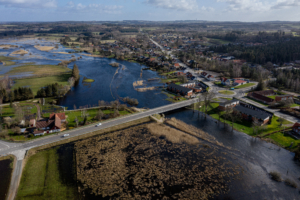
(153, 161)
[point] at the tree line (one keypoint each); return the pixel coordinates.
(20, 94)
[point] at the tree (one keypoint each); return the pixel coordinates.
(233, 116)
(280, 120)
(261, 85)
(206, 98)
(99, 115)
(116, 113)
(75, 72)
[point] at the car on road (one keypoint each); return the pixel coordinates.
(98, 124)
(232, 88)
(66, 135)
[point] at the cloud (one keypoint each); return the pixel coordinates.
(29, 3)
(246, 5)
(91, 8)
(174, 4)
(284, 4)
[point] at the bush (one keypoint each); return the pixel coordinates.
(291, 183)
(275, 176)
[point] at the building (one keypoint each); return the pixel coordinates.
(228, 104)
(262, 96)
(296, 128)
(203, 74)
(253, 115)
(176, 65)
(32, 123)
(184, 91)
(51, 125)
(239, 82)
(225, 81)
(283, 97)
(210, 78)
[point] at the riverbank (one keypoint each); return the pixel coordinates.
(273, 132)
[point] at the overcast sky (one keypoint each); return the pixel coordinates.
(156, 10)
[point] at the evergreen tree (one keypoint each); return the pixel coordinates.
(75, 72)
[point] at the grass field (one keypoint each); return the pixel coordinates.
(45, 176)
(7, 60)
(245, 85)
(171, 97)
(39, 69)
(226, 92)
(36, 83)
(92, 113)
(284, 140)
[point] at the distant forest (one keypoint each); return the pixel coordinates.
(280, 52)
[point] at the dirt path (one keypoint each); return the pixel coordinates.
(38, 111)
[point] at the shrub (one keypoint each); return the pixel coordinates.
(291, 183)
(275, 176)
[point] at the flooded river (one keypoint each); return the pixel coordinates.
(5, 175)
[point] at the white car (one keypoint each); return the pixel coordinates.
(66, 135)
(98, 124)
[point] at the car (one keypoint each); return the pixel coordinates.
(98, 124)
(232, 88)
(66, 135)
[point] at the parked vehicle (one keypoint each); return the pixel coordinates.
(66, 135)
(98, 124)
(232, 88)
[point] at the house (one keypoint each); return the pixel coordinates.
(38, 133)
(176, 65)
(61, 116)
(296, 128)
(239, 82)
(203, 74)
(228, 104)
(51, 125)
(283, 97)
(180, 89)
(262, 96)
(225, 81)
(210, 78)
(253, 115)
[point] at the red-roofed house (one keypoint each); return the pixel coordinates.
(51, 125)
(176, 65)
(296, 128)
(239, 82)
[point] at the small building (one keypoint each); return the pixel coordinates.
(296, 128)
(253, 115)
(32, 123)
(210, 78)
(229, 104)
(203, 74)
(184, 91)
(283, 97)
(176, 65)
(239, 82)
(225, 81)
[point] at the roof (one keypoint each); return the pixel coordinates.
(258, 114)
(57, 121)
(239, 81)
(223, 79)
(176, 65)
(229, 102)
(62, 116)
(265, 92)
(181, 88)
(296, 125)
(285, 95)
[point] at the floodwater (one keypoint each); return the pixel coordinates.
(110, 82)
(255, 156)
(5, 176)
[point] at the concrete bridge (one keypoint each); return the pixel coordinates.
(19, 149)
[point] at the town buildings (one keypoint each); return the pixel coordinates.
(228, 104)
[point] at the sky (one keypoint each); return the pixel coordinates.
(152, 10)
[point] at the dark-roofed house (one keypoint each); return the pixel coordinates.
(180, 89)
(262, 96)
(296, 128)
(253, 115)
(229, 104)
(51, 125)
(284, 97)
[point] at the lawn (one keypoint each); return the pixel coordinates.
(39, 69)
(71, 115)
(7, 60)
(284, 140)
(7, 111)
(46, 177)
(226, 92)
(171, 97)
(36, 83)
(245, 85)
(272, 97)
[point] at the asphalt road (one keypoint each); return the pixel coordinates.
(13, 147)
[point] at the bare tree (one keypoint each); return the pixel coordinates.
(206, 98)
(99, 115)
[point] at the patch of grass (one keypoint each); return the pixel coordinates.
(226, 92)
(7, 60)
(275, 176)
(272, 97)
(291, 183)
(41, 178)
(7, 111)
(39, 69)
(284, 140)
(36, 83)
(88, 80)
(171, 97)
(245, 85)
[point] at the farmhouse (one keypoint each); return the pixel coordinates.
(228, 104)
(180, 89)
(253, 115)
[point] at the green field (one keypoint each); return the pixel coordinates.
(284, 140)
(245, 85)
(7, 60)
(71, 115)
(47, 175)
(36, 83)
(226, 92)
(39, 69)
